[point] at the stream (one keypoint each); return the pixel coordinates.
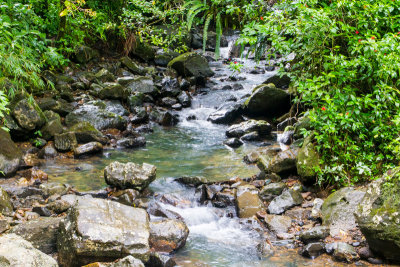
(195, 148)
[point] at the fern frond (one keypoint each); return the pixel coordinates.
(205, 31)
(193, 14)
(218, 30)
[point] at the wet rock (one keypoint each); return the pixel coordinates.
(286, 138)
(168, 235)
(277, 223)
(267, 100)
(226, 114)
(104, 75)
(135, 100)
(110, 91)
(131, 142)
(162, 57)
(263, 128)
(287, 122)
(270, 191)
(10, 155)
(42, 233)
(95, 112)
(140, 115)
(344, 252)
(84, 54)
(280, 163)
(141, 84)
(253, 136)
(132, 66)
(170, 87)
(65, 142)
(48, 152)
(168, 101)
(164, 118)
(248, 202)
(6, 206)
(143, 51)
(101, 230)
(313, 250)
(28, 115)
(338, 210)
(15, 251)
(4, 225)
(86, 133)
(115, 107)
(288, 199)
(192, 64)
(316, 209)
(378, 216)
(265, 249)
(225, 199)
(307, 161)
(88, 149)
(130, 175)
(314, 234)
(160, 260)
(279, 81)
(51, 128)
(184, 99)
(42, 211)
(233, 142)
(192, 180)
(158, 210)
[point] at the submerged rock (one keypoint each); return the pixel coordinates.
(248, 202)
(285, 201)
(10, 155)
(168, 235)
(263, 128)
(15, 251)
(129, 175)
(101, 230)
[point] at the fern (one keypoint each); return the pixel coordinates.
(205, 31)
(218, 37)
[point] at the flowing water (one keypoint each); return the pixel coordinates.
(193, 148)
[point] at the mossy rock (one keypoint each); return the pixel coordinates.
(28, 115)
(144, 51)
(132, 66)
(10, 155)
(307, 161)
(5, 203)
(191, 64)
(86, 133)
(84, 54)
(52, 128)
(283, 162)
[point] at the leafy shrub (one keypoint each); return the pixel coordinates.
(346, 71)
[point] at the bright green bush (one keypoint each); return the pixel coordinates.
(346, 71)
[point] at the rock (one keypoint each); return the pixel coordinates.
(270, 191)
(168, 235)
(6, 206)
(344, 252)
(104, 75)
(48, 152)
(280, 163)
(314, 234)
(227, 198)
(226, 114)
(101, 230)
(129, 175)
(303, 123)
(4, 225)
(15, 251)
(10, 155)
(168, 101)
(286, 138)
(158, 210)
(277, 223)
(135, 100)
(86, 133)
(287, 122)
(192, 180)
(58, 206)
(164, 118)
(42, 233)
(378, 216)
(184, 99)
(116, 107)
(110, 91)
(51, 128)
(279, 81)
(59, 106)
(313, 250)
(28, 115)
(265, 249)
(233, 142)
(88, 149)
(65, 142)
(95, 112)
(42, 211)
(316, 209)
(160, 260)
(307, 161)
(192, 64)
(247, 201)
(162, 57)
(288, 199)
(132, 66)
(141, 84)
(267, 100)
(263, 128)
(131, 142)
(253, 136)
(140, 116)
(84, 54)
(144, 51)
(170, 87)
(338, 210)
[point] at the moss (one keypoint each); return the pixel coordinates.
(8, 148)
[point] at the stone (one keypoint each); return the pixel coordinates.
(102, 230)
(128, 261)
(164, 118)
(15, 251)
(28, 115)
(116, 107)
(170, 87)
(85, 132)
(135, 100)
(233, 142)
(270, 191)
(286, 138)
(313, 250)
(279, 81)
(42, 211)
(51, 128)
(132, 142)
(316, 209)
(158, 210)
(168, 101)
(288, 199)
(47, 152)
(314, 234)
(111, 90)
(267, 100)
(143, 50)
(65, 142)
(10, 155)
(88, 149)
(226, 114)
(4, 225)
(344, 252)
(42, 233)
(247, 201)
(184, 99)
(129, 175)
(132, 66)
(303, 123)
(141, 84)
(277, 223)
(193, 181)
(104, 75)
(253, 136)
(6, 206)
(84, 54)
(192, 64)
(160, 260)
(168, 235)
(338, 210)
(308, 161)
(378, 216)
(263, 128)
(282, 162)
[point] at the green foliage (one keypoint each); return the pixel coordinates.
(346, 71)
(3, 107)
(235, 67)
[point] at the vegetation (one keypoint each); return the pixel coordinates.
(346, 72)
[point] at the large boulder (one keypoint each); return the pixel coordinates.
(226, 114)
(28, 114)
(279, 81)
(102, 230)
(191, 64)
(307, 161)
(263, 128)
(378, 216)
(85, 133)
(110, 90)
(84, 54)
(65, 142)
(130, 175)
(88, 149)
(141, 84)
(132, 66)
(288, 199)
(15, 251)
(6, 206)
(52, 127)
(338, 210)
(144, 51)
(248, 203)
(280, 163)
(10, 155)
(95, 112)
(268, 101)
(168, 235)
(42, 233)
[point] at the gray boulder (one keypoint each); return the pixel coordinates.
(226, 114)
(288, 199)
(86, 133)
(191, 64)
(168, 235)
(88, 149)
(248, 203)
(10, 155)
(28, 115)
(281, 162)
(263, 128)
(142, 84)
